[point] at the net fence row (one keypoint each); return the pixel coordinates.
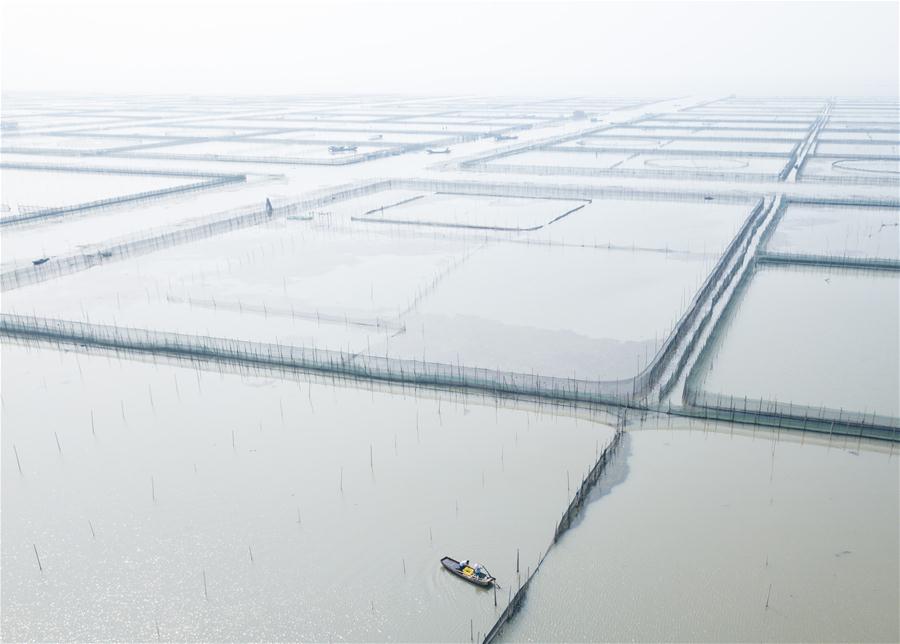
(656, 173)
(147, 242)
(582, 495)
(343, 363)
(714, 290)
(671, 151)
(830, 261)
(789, 415)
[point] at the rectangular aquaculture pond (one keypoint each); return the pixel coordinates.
(837, 231)
(646, 162)
(35, 192)
(851, 169)
(586, 289)
(813, 341)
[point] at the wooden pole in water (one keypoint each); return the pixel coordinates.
(205, 591)
(471, 630)
(767, 596)
(38, 557)
(18, 463)
(517, 560)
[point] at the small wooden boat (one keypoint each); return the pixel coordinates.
(435, 151)
(470, 571)
(42, 260)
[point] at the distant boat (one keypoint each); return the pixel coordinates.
(434, 151)
(470, 571)
(335, 149)
(377, 137)
(505, 137)
(42, 260)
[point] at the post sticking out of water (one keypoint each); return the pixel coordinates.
(93, 431)
(91, 526)
(251, 553)
(153, 489)
(38, 557)
(471, 630)
(59, 449)
(232, 439)
(495, 595)
(768, 594)
(205, 591)
(404, 565)
(18, 463)
(517, 560)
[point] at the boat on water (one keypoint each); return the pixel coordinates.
(434, 151)
(334, 149)
(472, 572)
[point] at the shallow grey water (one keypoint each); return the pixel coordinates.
(812, 336)
(186, 472)
(842, 231)
(706, 527)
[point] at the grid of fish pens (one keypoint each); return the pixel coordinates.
(860, 144)
(717, 141)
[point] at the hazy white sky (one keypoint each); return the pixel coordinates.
(670, 48)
